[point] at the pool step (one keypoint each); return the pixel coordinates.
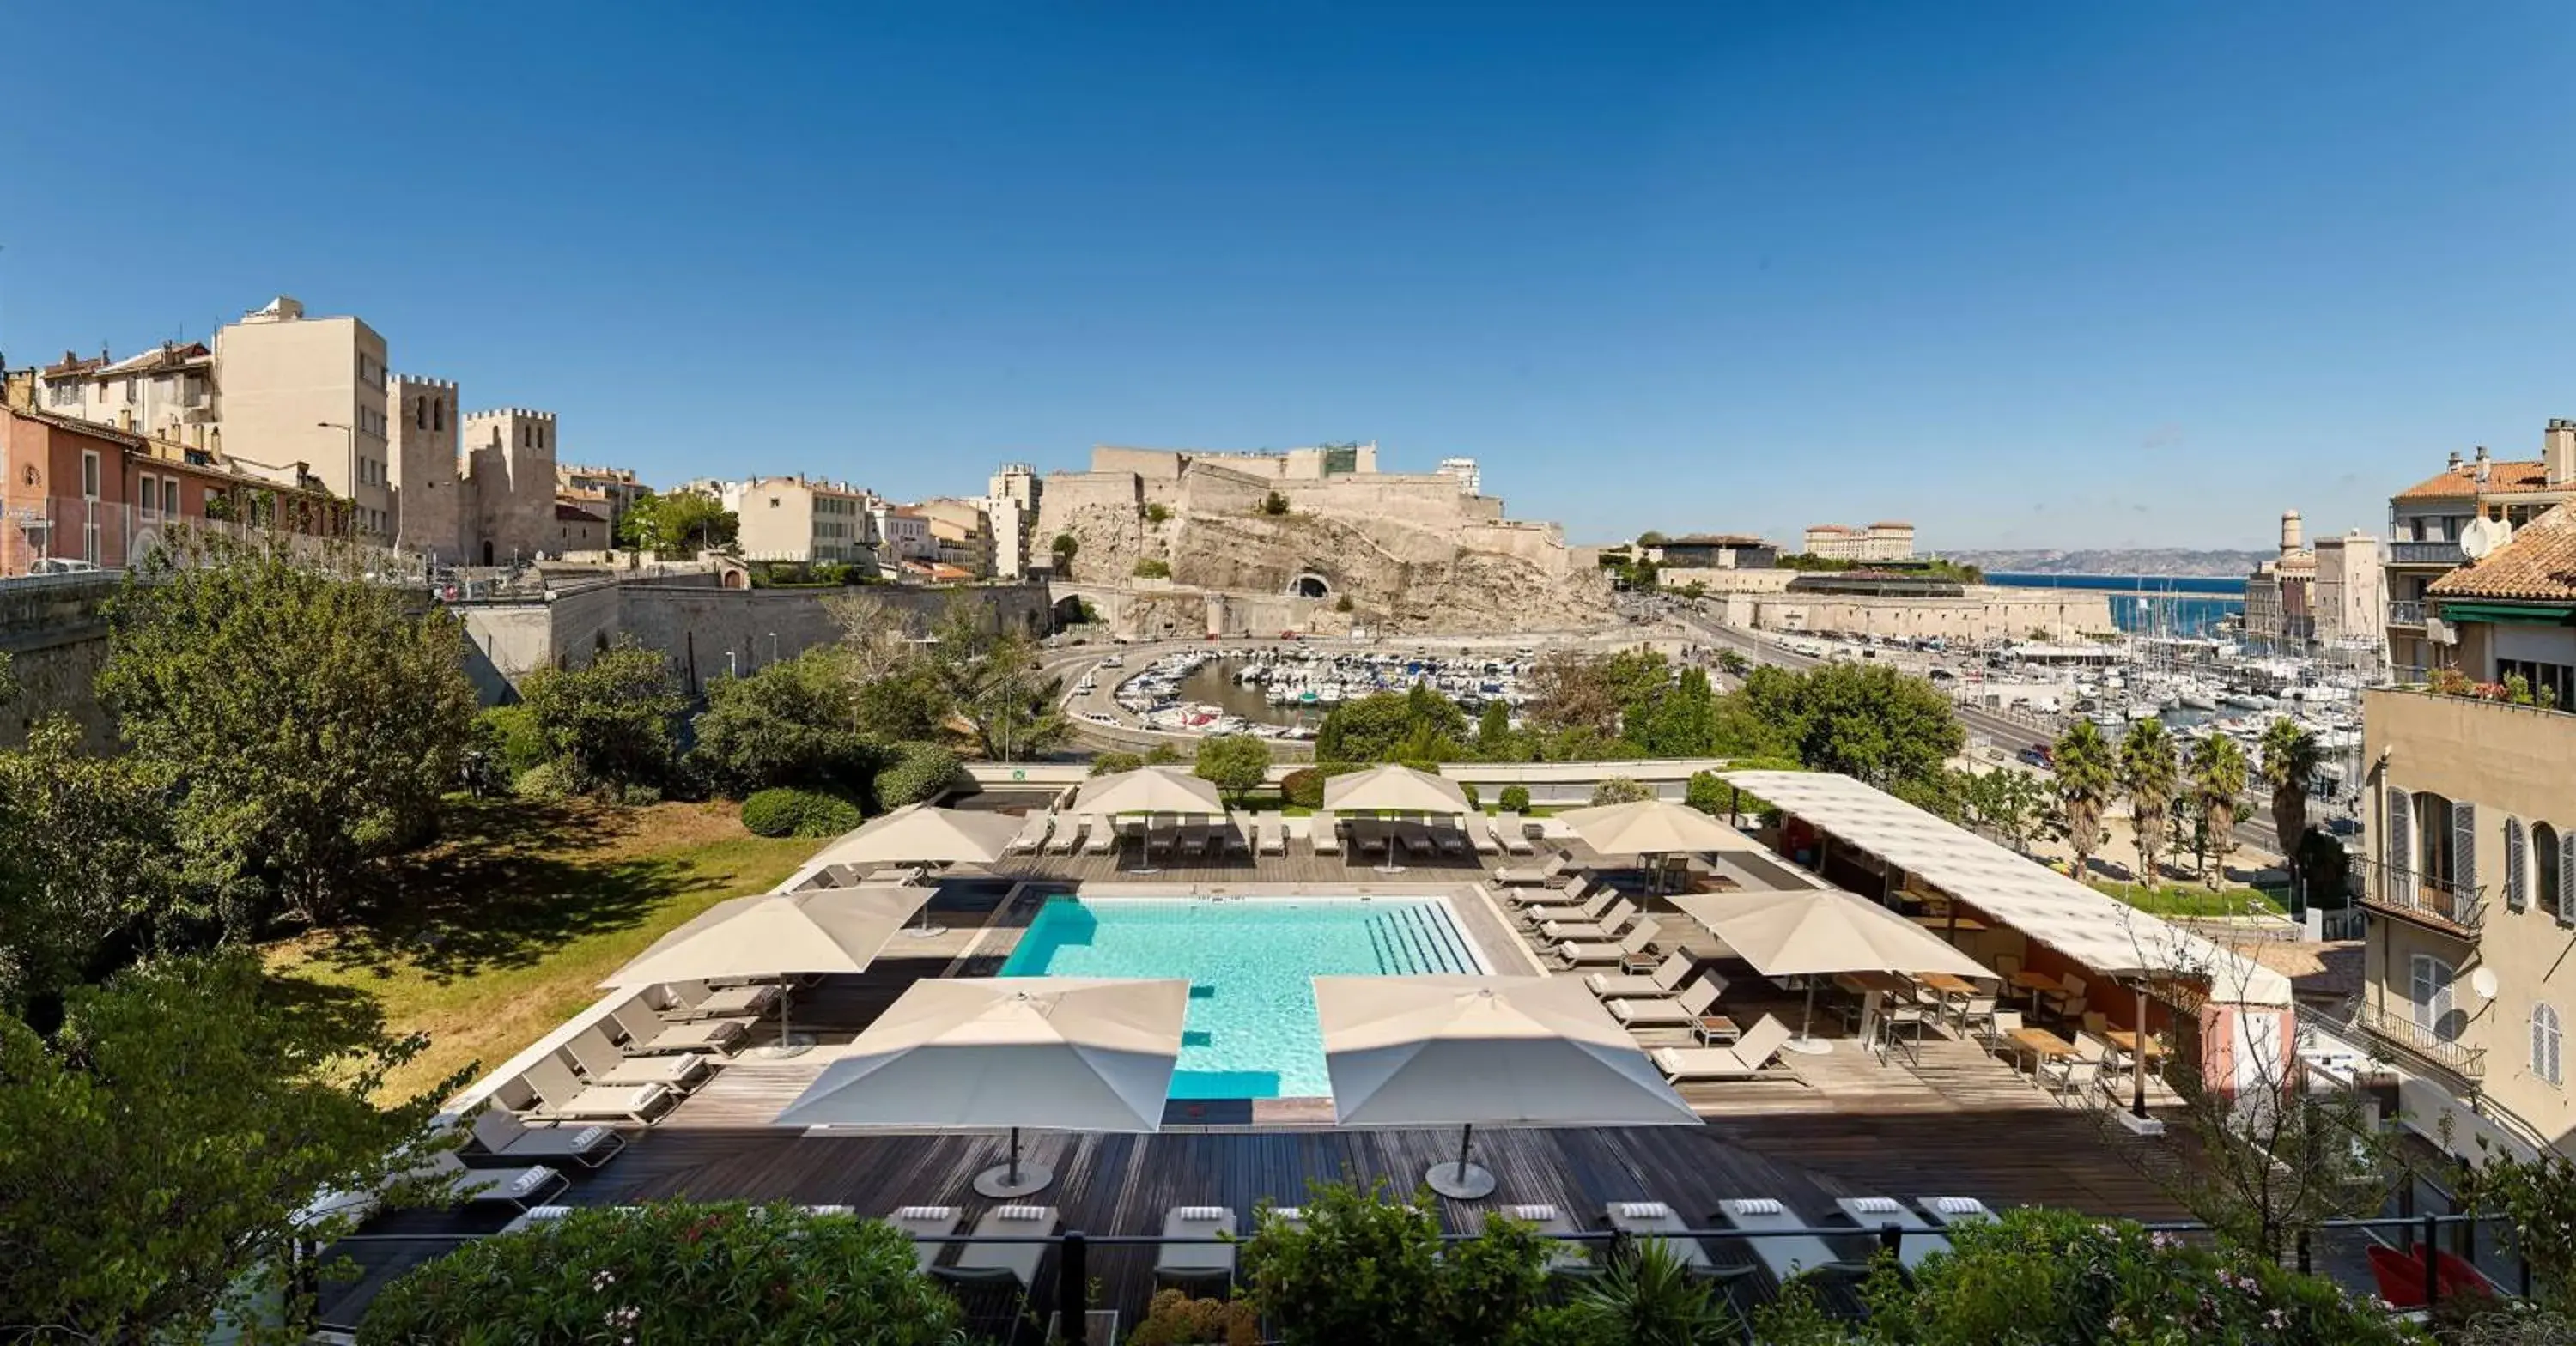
(1418, 939)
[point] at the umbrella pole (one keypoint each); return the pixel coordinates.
(1015, 1155)
(1807, 1043)
(925, 930)
(2138, 1060)
(1466, 1142)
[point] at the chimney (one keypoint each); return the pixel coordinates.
(2558, 452)
(2291, 534)
(2484, 465)
(2455, 460)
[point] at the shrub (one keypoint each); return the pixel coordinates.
(1163, 754)
(674, 1274)
(1474, 800)
(1514, 799)
(546, 780)
(921, 771)
(1175, 1319)
(1303, 787)
(1274, 504)
(1115, 763)
(509, 734)
(1344, 604)
(1152, 568)
(1364, 1268)
(1158, 514)
(781, 811)
(1235, 764)
(1706, 793)
(788, 724)
(1621, 790)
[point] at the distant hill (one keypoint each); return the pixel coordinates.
(2137, 561)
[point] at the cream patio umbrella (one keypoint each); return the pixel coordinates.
(1149, 790)
(1495, 1051)
(1395, 789)
(1062, 1053)
(918, 834)
(1650, 828)
(810, 931)
(1817, 932)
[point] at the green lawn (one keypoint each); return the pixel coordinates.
(505, 927)
(2190, 899)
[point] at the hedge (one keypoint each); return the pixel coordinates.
(784, 812)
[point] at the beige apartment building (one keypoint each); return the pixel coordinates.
(960, 534)
(1888, 540)
(2470, 876)
(294, 388)
(800, 520)
(605, 491)
(166, 393)
(1011, 510)
(2427, 520)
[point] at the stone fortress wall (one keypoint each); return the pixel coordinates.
(1412, 552)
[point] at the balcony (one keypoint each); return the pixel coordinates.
(2422, 899)
(2426, 554)
(2397, 1030)
(2406, 612)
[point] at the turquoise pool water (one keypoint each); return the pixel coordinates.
(1251, 1031)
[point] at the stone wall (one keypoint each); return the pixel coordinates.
(54, 630)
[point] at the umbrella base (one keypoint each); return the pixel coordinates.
(1390, 869)
(1473, 1182)
(796, 1044)
(995, 1182)
(1806, 1046)
(925, 931)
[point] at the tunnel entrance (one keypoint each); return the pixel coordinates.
(1311, 585)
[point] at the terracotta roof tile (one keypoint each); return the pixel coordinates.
(2539, 563)
(575, 514)
(2462, 483)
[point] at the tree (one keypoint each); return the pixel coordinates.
(1115, 763)
(2148, 774)
(155, 1153)
(1680, 722)
(1871, 722)
(89, 871)
(1622, 790)
(675, 1273)
(1236, 764)
(307, 724)
(1732, 663)
(1650, 538)
(1363, 1268)
(787, 724)
(1065, 547)
(994, 682)
(1571, 691)
(1418, 725)
(2289, 761)
(1495, 741)
(919, 773)
(682, 523)
(1706, 793)
(609, 721)
(1274, 504)
(2218, 776)
(2086, 776)
(2011, 802)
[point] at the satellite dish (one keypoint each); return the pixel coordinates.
(2483, 981)
(2484, 535)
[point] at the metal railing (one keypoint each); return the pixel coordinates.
(2398, 1029)
(2420, 897)
(2406, 612)
(2426, 553)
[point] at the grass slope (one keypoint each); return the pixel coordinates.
(505, 927)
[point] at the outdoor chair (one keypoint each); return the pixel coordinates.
(1679, 1011)
(1067, 837)
(503, 1136)
(1653, 1220)
(1480, 834)
(562, 1096)
(602, 1063)
(1451, 840)
(1746, 1060)
(1950, 1212)
(1873, 1214)
(1785, 1255)
(1510, 833)
(1293, 1217)
(1186, 1256)
(1565, 1257)
(1640, 938)
(1103, 838)
(1583, 902)
(1972, 1010)
(1547, 875)
(929, 1228)
(1274, 834)
(1612, 925)
(692, 1000)
(2072, 1011)
(1010, 1263)
(518, 1188)
(1323, 832)
(647, 1033)
(2070, 997)
(2000, 1026)
(2095, 1021)
(1417, 840)
(2070, 1076)
(1369, 837)
(1032, 835)
(1666, 979)
(1901, 1024)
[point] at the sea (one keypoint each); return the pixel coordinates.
(2168, 605)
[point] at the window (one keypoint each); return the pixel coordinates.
(2545, 1039)
(147, 493)
(420, 413)
(2516, 866)
(170, 496)
(2551, 685)
(2428, 994)
(2548, 853)
(89, 474)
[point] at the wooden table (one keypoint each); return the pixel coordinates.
(1938, 923)
(1886, 983)
(2041, 982)
(2040, 1042)
(1945, 984)
(1714, 1030)
(2127, 1042)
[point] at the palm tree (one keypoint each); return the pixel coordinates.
(2289, 760)
(2218, 774)
(2147, 773)
(2085, 779)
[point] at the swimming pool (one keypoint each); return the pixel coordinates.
(1251, 1031)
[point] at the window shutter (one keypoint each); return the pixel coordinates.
(2517, 866)
(2464, 849)
(2566, 871)
(2397, 857)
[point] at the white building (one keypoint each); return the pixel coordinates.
(1888, 540)
(1471, 478)
(801, 520)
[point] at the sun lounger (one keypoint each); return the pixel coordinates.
(1183, 1259)
(1371, 837)
(1236, 842)
(1451, 840)
(1952, 1211)
(1104, 835)
(706, 1035)
(563, 1096)
(1613, 925)
(602, 1063)
(1513, 834)
(1873, 1214)
(1581, 954)
(1585, 901)
(1193, 839)
(535, 1215)
(515, 1187)
(1786, 1255)
(1546, 875)
(1666, 979)
(1065, 839)
(1564, 1257)
(1681, 1011)
(1743, 1061)
(1015, 1263)
(1032, 836)
(503, 1136)
(692, 1000)
(1294, 1217)
(1323, 832)
(1644, 1220)
(1480, 834)
(1274, 834)
(929, 1228)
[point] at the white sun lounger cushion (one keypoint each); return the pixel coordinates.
(1641, 1210)
(487, 1184)
(925, 1213)
(1757, 1206)
(1958, 1205)
(1031, 1213)
(1290, 1214)
(1196, 1213)
(1534, 1214)
(1875, 1205)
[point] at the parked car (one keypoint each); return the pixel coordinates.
(60, 565)
(2040, 755)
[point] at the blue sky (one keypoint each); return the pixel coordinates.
(2029, 275)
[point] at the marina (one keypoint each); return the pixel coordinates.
(1285, 693)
